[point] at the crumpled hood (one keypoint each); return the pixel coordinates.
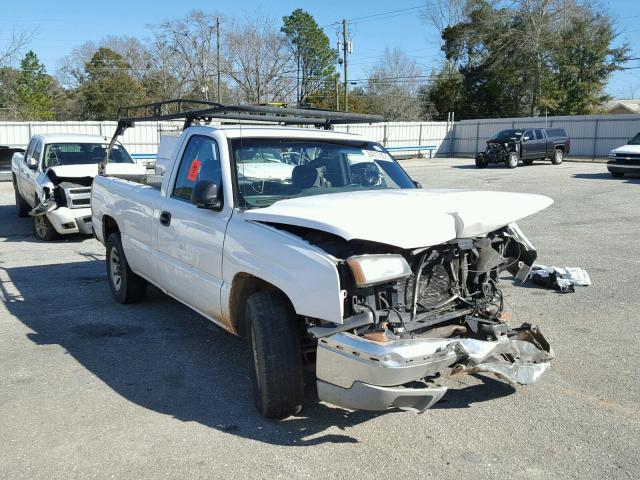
(80, 171)
(404, 218)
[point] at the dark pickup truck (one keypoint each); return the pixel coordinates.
(511, 146)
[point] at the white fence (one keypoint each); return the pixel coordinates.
(146, 136)
(591, 135)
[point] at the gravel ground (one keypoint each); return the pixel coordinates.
(92, 389)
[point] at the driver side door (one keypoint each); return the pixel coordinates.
(190, 239)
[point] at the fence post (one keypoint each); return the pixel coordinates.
(477, 136)
(100, 129)
(595, 139)
(384, 135)
(29, 131)
(420, 135)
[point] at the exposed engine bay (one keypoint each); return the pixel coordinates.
(448, 304)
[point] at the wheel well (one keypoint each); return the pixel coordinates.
(244, 285)
(109, 226)
(560, 147)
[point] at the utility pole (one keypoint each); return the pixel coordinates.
(218, 55)
(337, 94)
(345, 51)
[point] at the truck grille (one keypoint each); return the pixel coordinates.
(78, 197)
(625, 158)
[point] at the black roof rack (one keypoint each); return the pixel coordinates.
(206, 111)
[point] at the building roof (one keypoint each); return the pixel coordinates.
(623, 106)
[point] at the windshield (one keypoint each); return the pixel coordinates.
(56, 154)
(635, 140)
(508, 135)
(269, 170)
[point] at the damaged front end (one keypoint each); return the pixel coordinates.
(411, 316)
(66, 202)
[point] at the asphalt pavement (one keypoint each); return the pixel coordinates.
(93, 389)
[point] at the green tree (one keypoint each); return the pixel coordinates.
(312, 53)
(109, 85)
(527, 58)
(35, 90)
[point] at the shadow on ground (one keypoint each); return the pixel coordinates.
(628, 177)
(164, 357)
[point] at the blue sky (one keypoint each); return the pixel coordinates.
(63, 24)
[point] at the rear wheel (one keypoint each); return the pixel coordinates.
(617, 174)
(558, 156)
(22, 207)
(126, 286)
(482, 162)
(512, 160)
(43, 229)
(277, 358)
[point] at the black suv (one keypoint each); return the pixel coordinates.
(526, 144)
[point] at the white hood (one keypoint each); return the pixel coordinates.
(404, 218)
(78, 171)
(627, 149)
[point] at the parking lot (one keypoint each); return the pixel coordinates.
(93, 389)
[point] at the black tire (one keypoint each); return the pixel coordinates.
(527, 162)
(126, 286)
(22, 207)
(512, 160)
(277, 358)
(482, 162)
(617, 174)
(43, 229)
(558, 156)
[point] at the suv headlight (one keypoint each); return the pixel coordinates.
(374, 269)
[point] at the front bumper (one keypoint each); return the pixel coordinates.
(626, 167)
(360, 374)
(71, 220)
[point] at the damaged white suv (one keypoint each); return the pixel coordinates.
(52, 180)
(342, 264)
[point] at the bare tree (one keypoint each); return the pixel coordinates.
(393, 86)
(192, 41)
(258, 61)
(443, 13)
(19, 38)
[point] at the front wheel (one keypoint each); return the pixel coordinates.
(512, 160)
(277, 357)
(43, 229)
(558, 156)
(617, 174)
(481, 162)
(126, 286)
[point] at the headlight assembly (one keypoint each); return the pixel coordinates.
(374, 269)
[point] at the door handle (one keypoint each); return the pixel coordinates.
(165, 218)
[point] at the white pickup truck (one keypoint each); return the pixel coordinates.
(319, 249)
(52, 180)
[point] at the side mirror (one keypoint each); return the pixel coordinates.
(206, 195)
(31, 162)
(524, 139)
(417, 184)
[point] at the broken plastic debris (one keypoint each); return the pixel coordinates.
(562, 279)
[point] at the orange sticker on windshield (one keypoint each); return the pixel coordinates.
(194, 170)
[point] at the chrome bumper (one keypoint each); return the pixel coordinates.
(359, 374)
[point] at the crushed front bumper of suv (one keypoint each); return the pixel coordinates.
(360, 374)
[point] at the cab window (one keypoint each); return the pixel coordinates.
(538, 134)
(200, 161)
(37, 150)
(528, 135)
